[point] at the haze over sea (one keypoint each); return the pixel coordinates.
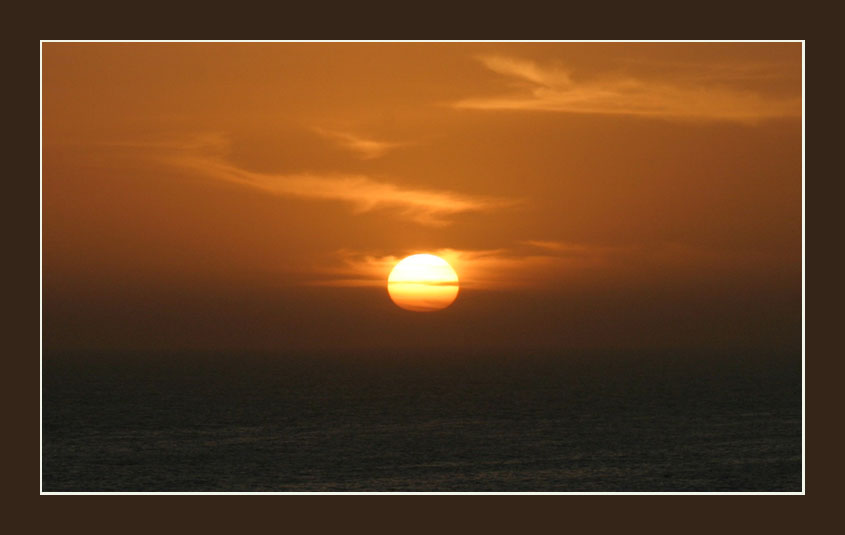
(566, 421)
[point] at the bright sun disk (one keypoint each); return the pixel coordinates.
(423, 283)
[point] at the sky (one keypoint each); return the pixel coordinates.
(255, 196)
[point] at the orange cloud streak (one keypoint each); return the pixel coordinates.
(553, 90)
(424, 206)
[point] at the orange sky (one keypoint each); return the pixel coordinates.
(254, 196)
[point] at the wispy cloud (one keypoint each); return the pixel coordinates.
(424, 206)
(364, 147)
(556, 246)
(520, 265)
(552, 89)
(546, 263)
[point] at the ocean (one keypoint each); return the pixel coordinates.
(400, 422)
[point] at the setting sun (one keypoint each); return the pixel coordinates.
(220, 223)
(423, 283)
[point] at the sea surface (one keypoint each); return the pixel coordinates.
(421, 423)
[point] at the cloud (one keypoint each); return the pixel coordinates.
(364, 147)
(552, 265)
(551, 89)
(556, 246)
(424, 206)
(505, 268)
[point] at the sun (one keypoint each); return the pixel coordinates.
(423, 283)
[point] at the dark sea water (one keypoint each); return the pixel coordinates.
(613, 422)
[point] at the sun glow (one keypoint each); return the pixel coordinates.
(423, 283)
